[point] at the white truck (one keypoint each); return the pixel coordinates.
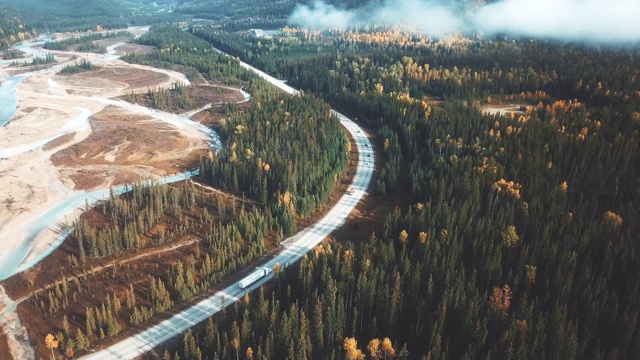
(254, 276)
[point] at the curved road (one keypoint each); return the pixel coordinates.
(294, 248)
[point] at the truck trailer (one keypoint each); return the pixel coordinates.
(254, 276)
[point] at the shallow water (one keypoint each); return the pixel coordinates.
(14, 262)
(8, 98)
(78, 123)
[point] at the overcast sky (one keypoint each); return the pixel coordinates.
(597, 21)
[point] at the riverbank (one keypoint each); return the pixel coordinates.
(68, 139)
(71, 134)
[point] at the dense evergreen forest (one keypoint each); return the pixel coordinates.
(520, 238)
(282, 157)
(254, 12)
(196, 56)
(288, 151)
(228, 236)
(12, 29)
(66, 15)
(84, 43)
(20, 20)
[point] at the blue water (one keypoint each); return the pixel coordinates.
(28, 49)
(12, 263)
(8, 98)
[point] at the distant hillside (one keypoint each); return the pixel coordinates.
(224, 9)
(11, 28)
(68, 14)
(274, 13)
(24, 18)
(21, 19)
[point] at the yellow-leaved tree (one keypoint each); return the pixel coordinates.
(404, 237)
(500, 300)
(387, 348)
(351, 349)
(510, 237)
(374, 349)
(51, 343)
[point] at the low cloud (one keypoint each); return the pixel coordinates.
(595, 21)
(321, 16)
(602, 21)
(425, 16)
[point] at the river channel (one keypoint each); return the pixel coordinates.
(23, 253)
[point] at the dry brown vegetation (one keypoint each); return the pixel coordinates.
(120, 140)
(4, 346)
(90, 284)
(134, 49)
(134, 77)
(198, 95)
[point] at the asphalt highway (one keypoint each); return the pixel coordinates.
(293, 250)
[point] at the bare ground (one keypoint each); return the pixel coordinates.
(120, 140)
(134, 49)
(90, 284)
(104, 276)
(367, 218)
(133, 77)
(47, 103)
(85, 163)
(503, 109)
(198, 95)
(4, 346)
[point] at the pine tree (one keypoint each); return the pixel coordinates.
(65, 325)
(68, 348)
(82, 343)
